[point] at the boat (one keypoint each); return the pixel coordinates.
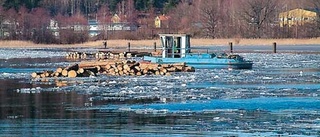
(176, 49)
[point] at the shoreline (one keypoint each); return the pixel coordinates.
(150, 43)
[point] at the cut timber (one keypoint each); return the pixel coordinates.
(92, 69)
(72, 67)
(64, 73)
(189, 69)
(57, 74)
(97, 63)
(35, 75)
(72, 74)
(115, 67)
(59, 70)
(80, 70)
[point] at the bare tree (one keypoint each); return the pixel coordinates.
(181, 19)
(209, 16)
(316, 5)
(258, 13)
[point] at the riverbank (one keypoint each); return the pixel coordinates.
(133, 43)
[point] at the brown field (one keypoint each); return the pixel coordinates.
(195, 42)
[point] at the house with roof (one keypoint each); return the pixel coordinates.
(161, 21)
(119, 23)
(297, 17)
(115, 19)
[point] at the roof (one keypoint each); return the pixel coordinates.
(163, 17)
(298, 11)
(175, 35)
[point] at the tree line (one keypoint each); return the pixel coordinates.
(29, 19)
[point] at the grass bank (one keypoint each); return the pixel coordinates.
(195, 42)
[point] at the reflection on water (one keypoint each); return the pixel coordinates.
(279, 96)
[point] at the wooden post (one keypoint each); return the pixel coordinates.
(155, 46)
(105, 44)
(128, 46)
(274, 47)
(231, 47)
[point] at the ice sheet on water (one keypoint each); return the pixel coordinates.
(8, 53)
(283, 60)
(273, 75)
(7, 75)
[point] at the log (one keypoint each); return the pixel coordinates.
(120, 68)
(179, 68)
(80, 71)
(35, 75)
(97, 63)
(86, 73)
(126, 67)
(164, 70)
(72, 67)
(137, 68)
(92, 69)
(107, 67)
(145, 71)
(172, 69)
(144, 65)
(138, 73)
(57, 74)
(48, 73)
(157, 72)
(64, 73)
(189, 69)
(121, 73)
(98, 68)
(42, 75)
(59, 70)
(72, 74)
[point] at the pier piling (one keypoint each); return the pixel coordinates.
(274, 47)
(128, 46)
(105, 44)
(231, 47)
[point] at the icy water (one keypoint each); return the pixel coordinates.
(280, 96)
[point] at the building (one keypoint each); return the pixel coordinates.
(115, 19)
(53, 26)
(161, 21)
(5, 27)
(93, 28)
(297, 17)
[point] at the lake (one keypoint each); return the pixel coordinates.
(280, 96)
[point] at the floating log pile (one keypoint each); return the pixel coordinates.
(105, 55)
(71, 71)
(78, 55)
(114, 68)
(125, 68)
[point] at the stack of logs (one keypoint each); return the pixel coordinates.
(70, 71)
(107, 55)
(115, 68)
(77, 55)
(99, 55)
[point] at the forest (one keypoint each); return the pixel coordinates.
(30, 19)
